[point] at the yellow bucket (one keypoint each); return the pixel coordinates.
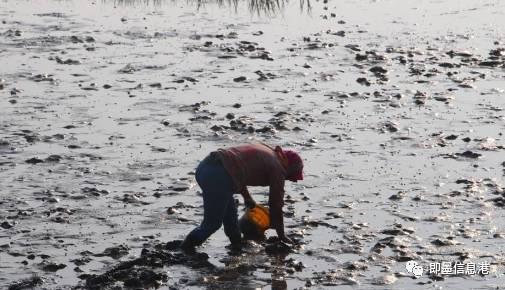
(254, 222)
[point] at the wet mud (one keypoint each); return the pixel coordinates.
(106, 108)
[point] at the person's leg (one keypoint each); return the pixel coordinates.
(230, 221)
(213, 180)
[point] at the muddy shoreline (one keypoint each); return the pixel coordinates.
(106, 109)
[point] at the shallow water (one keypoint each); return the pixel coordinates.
(113, 91)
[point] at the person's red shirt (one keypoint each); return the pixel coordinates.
(258, 165)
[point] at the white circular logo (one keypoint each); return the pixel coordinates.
(414, 268)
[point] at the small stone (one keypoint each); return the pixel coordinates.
(34, 160)
(363, 81)
(398, 196)
(53, 267)
(52, 200)
(239, 79)
(6, 225)
(443, 242)
(278, 248)
(378, 70)
(451, 137)
(54, 158)
(172, 210)
(469, 154)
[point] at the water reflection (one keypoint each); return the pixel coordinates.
(257, 7)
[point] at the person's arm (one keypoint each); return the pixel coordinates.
(248, 200)
(275, 203)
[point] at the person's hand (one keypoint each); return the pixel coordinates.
(249, 203)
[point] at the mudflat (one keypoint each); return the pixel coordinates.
(397, 108)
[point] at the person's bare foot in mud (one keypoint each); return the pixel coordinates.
(180, 245)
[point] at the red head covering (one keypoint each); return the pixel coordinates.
(295, 165)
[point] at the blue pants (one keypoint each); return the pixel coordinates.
(218, 203)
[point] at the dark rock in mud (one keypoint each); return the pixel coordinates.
(155, 85)
(81, 261)
(465, 181)
(296, 265)
(115, 252)
(145, 278)
(240, 79)
(361, 57)
(491, 63)
(448, 65)
(355, 266)
(15, 91)
(389, 126)
(363, 81)
(398, 196)
(76, 39)
(6, 225)
(58, 136)
(30, 283)
(420, 98)
(217, 128)
(43, 78)
(52, 267)
(278, 248)
(32, 138)
(140, 272)
(443, 242)
(393, 232)
(469, 154)
(265, 76)
(173, 245)
(266, 129)
(67, 61)
(34, 160)
(94, 191)
(134, 198)
(498, 201)
(378, 70)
